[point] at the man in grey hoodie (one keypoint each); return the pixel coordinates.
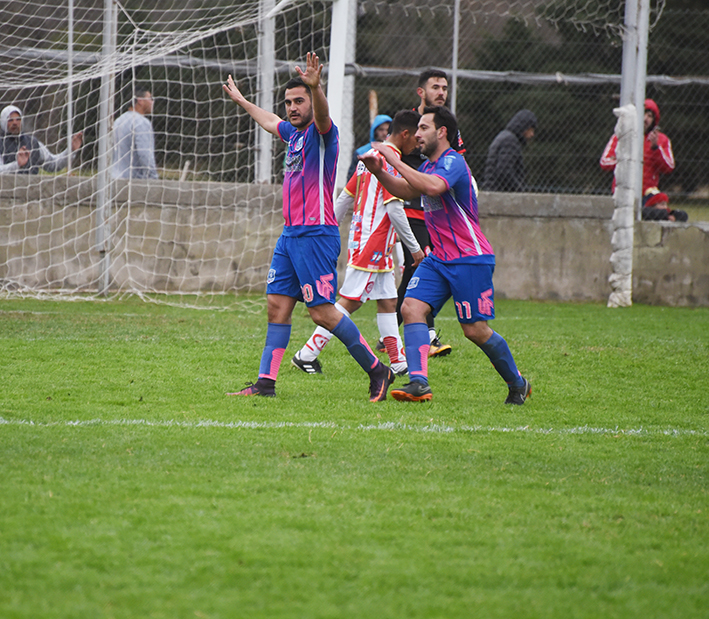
(23, 153)
(504, 168)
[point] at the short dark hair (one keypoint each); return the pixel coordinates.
(429, 73)
(443, 117)
(139, 92)
(404, 119)
(295, 82)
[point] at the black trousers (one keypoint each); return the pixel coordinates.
(650, 213)
(418, 227)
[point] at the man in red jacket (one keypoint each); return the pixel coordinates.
(658, 159)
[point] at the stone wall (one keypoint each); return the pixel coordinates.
(190, 237)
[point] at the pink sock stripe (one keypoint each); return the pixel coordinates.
(423, 351)
(364, 343)
(276, 359)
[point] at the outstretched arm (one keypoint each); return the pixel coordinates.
(395, 185)
(417, 182)
(311, 76)
(268, 120)
(52, 162)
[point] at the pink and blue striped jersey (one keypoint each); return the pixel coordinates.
(452, 217)
(309, 183)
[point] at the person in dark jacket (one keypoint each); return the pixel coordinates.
(504, 168)
(23, 153)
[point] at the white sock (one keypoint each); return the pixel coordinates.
(313, 347)
(432, 334)
(318, 340)
(389, 332)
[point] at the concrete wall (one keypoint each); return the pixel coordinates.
(171, 236)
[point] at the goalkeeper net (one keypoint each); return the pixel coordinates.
(204, 230)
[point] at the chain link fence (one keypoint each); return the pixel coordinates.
(569, 76)
(559, 58)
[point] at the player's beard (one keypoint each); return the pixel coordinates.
(427, 148)
(436, 102)
(303, 120)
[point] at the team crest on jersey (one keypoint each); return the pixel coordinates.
(271, 276)
(299, 143)
(294, 161)
(448, 161)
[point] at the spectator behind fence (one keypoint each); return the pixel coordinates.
(658, 160)
(23, 153)
(377, 133)
(504, 168)
(134, 141)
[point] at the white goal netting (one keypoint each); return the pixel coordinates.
(201, 229)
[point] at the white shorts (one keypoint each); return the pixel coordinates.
(363, 285)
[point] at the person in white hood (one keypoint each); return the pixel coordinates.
(23, 153)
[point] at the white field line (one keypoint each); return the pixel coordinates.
(382, 426)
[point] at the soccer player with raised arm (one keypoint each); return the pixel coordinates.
(304, 261)
(461, 263)
(377, 219)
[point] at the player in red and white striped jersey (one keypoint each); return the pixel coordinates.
(377, 219)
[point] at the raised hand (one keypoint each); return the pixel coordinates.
(233, 92)
(313, 70)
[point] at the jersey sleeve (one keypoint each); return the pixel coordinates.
(285, 130)
(451, 169)
(351, 186)
(330, 136)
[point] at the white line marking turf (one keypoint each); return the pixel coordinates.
(382, 426)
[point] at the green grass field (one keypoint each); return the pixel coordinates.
(131, 487)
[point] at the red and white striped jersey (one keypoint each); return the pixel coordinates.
(372, 235)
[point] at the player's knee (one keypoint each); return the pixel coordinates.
(325, 315)
(413, 311)
(477, 332)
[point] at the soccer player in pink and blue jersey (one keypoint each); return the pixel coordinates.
(462, 261)
(304, 264)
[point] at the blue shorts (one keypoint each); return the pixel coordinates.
(470, 285)
(305, 268)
